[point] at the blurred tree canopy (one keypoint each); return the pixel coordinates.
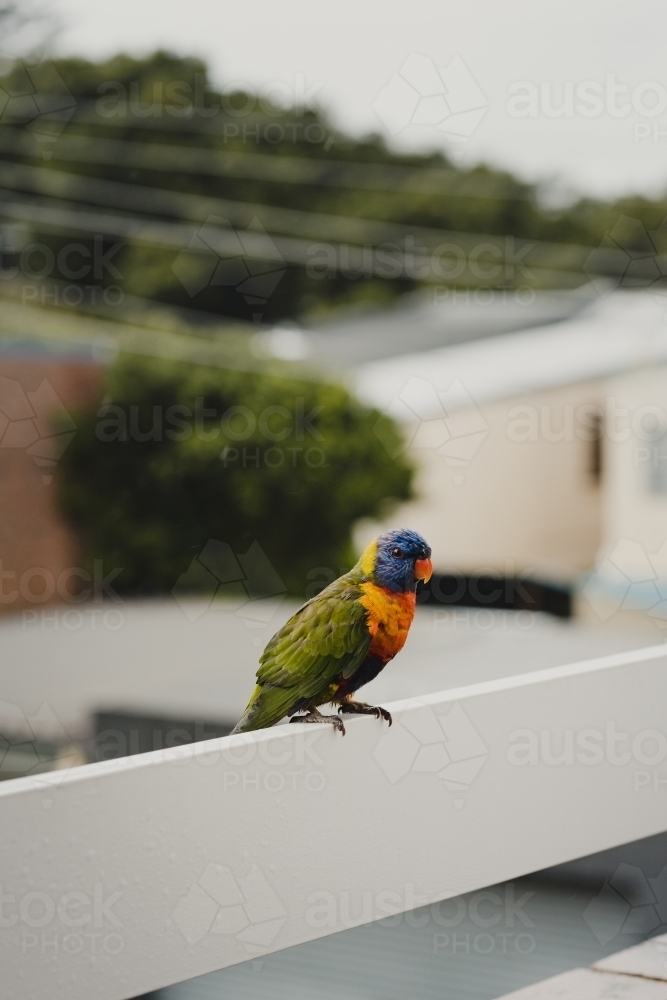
(179, 455)
(171, 101)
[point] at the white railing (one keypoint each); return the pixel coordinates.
(122, 877)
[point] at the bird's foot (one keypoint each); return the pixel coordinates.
(361, 708)
(315, 716)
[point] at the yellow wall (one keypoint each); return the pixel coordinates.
(522, 504)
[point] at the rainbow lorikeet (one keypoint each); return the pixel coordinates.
(342, 638)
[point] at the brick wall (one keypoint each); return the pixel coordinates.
(37, 549)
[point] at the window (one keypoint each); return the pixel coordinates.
(595, 445)
(658, 466)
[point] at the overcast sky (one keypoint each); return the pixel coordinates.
(367, 60)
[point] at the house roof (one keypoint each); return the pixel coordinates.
(36, 348)
(424, 321)
(620, 331)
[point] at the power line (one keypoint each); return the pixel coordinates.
(277, 168)
(224, 241)
(313, 225)
(222, 351)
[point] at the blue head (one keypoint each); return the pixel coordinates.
(397, 559)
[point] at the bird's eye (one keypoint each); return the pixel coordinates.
(397, 553)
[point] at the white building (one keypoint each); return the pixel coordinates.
(543, 452)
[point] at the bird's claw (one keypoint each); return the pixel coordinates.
(334, 720)
(382, 713)
(361, 708)
(338, 724)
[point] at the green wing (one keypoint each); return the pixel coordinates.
(327, 638)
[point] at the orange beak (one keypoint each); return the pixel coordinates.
(423, 569)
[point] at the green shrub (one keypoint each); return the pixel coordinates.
(180, 454)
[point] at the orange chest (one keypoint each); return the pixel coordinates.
(389, 619)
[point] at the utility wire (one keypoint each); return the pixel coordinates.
(224, 241)
(276, 168)
(311, 225)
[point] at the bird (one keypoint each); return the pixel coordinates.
(342, 638)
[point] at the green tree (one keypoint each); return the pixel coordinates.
(170, 101)
(182, 454)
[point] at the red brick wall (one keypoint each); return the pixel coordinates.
(36, 546)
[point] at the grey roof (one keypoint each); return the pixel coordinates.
(37, 348)
(615, 333)
(438, 318)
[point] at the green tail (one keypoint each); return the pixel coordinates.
(267, 706)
